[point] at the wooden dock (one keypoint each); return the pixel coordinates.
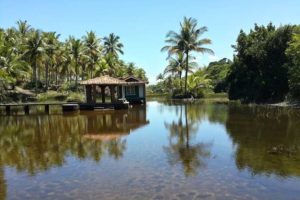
(66, 107)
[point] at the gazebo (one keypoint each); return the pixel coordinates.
(130, 88)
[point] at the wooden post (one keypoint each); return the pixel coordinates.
(7, 108)
(26, 109)
(47, 108)
(103, 93)
(94, 93)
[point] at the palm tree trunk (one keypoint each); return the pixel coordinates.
(35, 74)
(186, 72)
(180, 81)
(76, 75)
(56, 75)
(47, 75)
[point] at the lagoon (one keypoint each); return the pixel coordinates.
(164, 150)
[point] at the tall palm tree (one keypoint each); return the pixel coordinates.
(76, 47)
(112, 45)
(34, 52)
(187, 41)
(92, 50)
(51, 46)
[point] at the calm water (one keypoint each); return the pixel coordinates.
(161, 151)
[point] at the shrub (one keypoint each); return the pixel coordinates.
(52, 96)
(67, 87)
(75, 97)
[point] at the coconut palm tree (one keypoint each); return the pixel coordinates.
(177, 64)
(130, 69)
(34, 52)
(51, 47)
(75, 47)
(23, 27)
(112, 45)
(92, 50)
(187, 41)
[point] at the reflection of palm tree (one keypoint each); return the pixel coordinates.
(181, 150)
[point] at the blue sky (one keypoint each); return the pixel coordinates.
(143, 24)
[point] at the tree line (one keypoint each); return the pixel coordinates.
(40, 60)
(265, 66)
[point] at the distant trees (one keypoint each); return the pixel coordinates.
(261, 71)
(217, 72)
(33, 58)
(293, 53)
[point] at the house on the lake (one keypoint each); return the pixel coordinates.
(132, 89)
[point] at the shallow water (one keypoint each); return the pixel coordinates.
(165, 150)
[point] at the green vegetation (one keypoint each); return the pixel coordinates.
(182, 45)
(265, 68)
(37, 60)
(260, 69)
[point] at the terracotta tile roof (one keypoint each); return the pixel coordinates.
(103, 80)
(108, 80)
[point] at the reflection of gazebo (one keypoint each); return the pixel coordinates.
(129, 88)
(110, 125)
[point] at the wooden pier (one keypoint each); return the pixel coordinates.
(66, 107)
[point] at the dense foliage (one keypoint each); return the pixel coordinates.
(293, 53)
(35, 59)
(262, 71)
(266, 67)
(200, 82)
(218, 71)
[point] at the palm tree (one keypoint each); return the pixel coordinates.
(51, 46)
(34, 52)
(130, 69)
(92, 50)
(112, 62)
(199, 80)
(14, 66)
(75, 47)
(112, 45)
(187, 41)
(177, 64)
(23, 27)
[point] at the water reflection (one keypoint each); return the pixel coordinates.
(266, 139)
(181, 149)
(186, 143)
(37, 143)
